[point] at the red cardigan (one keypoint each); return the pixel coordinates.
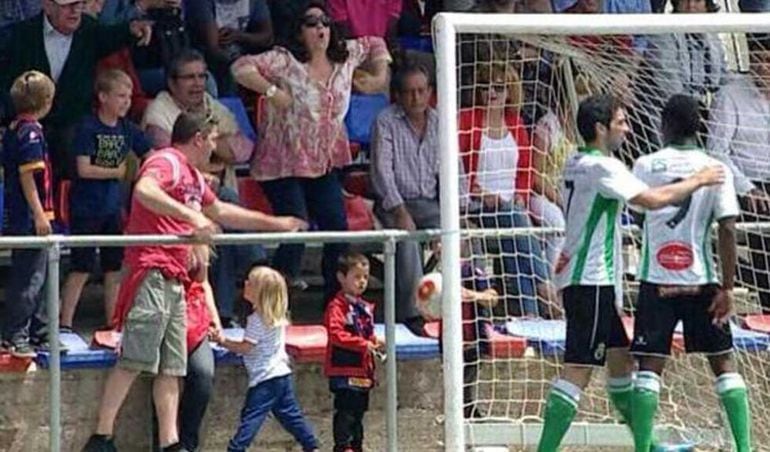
(471, 125)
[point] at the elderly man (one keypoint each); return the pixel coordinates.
(186, 82)
(404, 174)
(739, 136)
(66, 46)
(170, 197)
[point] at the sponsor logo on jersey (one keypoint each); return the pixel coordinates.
(658, 166)
(675, 256)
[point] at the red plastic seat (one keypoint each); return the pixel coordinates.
(758, 322)
(306, 343)
(505, 345)
(9, 363)
(251, 195)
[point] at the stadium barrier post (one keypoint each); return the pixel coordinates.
(391, 406)
(54, 389)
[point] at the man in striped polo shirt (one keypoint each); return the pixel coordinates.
(678, 277)
(589, 270)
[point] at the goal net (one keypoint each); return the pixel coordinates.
(509, 87)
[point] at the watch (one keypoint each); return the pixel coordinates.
(271, 91)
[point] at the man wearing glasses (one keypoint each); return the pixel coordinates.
(186, 81)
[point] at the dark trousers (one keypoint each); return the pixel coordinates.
(25, 307)
(318, 200)
(197, 388)
(348, 429)
(409, 262)
(524, 263)
(277, 396)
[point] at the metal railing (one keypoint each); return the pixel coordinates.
(388, 238)
(54, 243)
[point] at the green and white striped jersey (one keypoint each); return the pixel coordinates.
(676, 247)
(594, 190)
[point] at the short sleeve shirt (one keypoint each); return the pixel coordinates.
(182, 181)
(268, 358)
(677, 243)
(25, 151)
(595, 187)
(107, 147)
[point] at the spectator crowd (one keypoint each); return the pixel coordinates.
(139, 117)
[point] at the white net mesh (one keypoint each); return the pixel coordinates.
(517, 97)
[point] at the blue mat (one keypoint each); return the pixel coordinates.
(747, 340)
(235, 105)
(79, 355)
(224, 357)
(546, 336)
(410, 346)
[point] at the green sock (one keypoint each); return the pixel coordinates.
(732, 391)
(644, 404)
(620, 390)
(560, 409)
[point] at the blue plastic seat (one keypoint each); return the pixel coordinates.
(79, 355)
(548, 337)
(410, 346)
(362, 113)
(235, 105)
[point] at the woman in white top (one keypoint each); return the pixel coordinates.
(495, 148)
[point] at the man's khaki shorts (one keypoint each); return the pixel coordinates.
(155, 330)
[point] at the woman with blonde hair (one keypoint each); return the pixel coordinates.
(263, 347)
(495, 149)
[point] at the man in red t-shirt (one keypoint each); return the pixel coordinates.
(170, 197)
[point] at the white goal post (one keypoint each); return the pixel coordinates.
(459, 432)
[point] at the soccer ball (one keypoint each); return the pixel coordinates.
(427, 296)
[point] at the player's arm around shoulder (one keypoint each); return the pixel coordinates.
(661, 196)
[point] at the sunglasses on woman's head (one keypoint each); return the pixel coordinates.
(314, 21)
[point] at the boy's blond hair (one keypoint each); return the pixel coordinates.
(32, 92)
(269, 294)
(108, 80)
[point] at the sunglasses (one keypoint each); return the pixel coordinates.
(498, 87)
(314, 21)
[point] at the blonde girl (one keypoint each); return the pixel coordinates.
(264, 354)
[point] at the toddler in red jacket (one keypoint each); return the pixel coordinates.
(349, 321)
